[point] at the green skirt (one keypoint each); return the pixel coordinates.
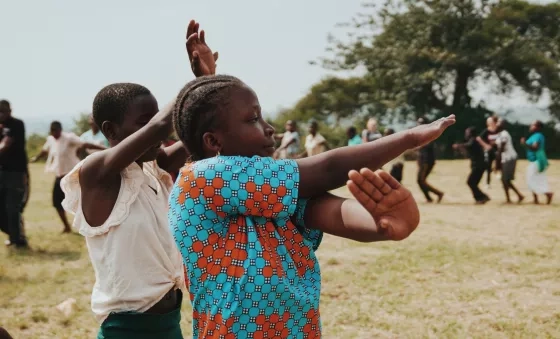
(142, 325)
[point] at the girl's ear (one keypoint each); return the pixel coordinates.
(211, 143)
(109, 130)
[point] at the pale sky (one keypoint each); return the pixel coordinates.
(56, 54)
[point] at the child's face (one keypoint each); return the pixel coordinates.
(56, 132)
(243, 131)
(139, 113)
(313, 129)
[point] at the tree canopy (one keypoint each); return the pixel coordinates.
(427, 54)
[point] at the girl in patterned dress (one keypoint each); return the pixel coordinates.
(248, 225)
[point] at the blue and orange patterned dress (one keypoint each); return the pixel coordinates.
(250, 261)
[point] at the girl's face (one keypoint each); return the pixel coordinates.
(140, 111)
(242, 130)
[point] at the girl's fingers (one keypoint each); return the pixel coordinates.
(374, 178)
(389, 180)
(364, 199)
(365, 184)
(190, 28)
(203, 36)
(192, 39)
(216, 56)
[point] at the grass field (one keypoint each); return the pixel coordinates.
(469, 271)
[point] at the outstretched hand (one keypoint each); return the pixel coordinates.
(391, 205)
(203, 61)
(425, 134)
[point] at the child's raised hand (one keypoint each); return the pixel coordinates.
(391, 205)
(424, 134)
(203, 62)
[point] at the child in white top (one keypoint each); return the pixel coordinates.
(120, 199)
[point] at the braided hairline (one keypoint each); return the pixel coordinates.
(191, 106)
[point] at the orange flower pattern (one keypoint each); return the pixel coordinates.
(250, 261)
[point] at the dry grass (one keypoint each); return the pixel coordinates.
(468, 272)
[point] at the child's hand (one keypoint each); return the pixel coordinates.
(424, 134)
(203, 62)
(392, 206)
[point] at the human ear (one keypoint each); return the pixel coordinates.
(109, 130)
(211, 143)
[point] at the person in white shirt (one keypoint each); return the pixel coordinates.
(119, 197)
(507, 156)
(61, 149)
(315, 143)
(94, 135)
(289, 145)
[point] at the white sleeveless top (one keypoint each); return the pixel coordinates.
(133, 253)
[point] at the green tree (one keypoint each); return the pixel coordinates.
(427, 54)
(81, 123)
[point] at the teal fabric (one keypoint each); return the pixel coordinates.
(142, 326)
(536, 138)
(356, 140)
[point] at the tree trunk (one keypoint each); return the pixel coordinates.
(461, 98)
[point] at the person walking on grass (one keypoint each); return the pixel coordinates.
(397, 164)
(289, 142)
(478, 164)
(371, 133)
(426, 163)
(13, 176)
(538, 163)
(353, 137)
(487, 140)
(60, 149)
(507, 157)
(315, 143)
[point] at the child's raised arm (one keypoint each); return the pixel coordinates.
(111, 162)
(329, 170)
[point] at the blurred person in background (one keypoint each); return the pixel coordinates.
(507, 157)
(426, 163)
(371, 133)
(478, 164)
(14, 176)
(353, 137)
(397, 164)
(538, 163)
(289, 142)
(61, 149)
(315, 143)
(487, 139)
(94, 136)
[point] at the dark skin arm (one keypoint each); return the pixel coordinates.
(173, 157)
(382, 209)
(327, 171)
(534, 146)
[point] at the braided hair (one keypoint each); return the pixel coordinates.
(197, 106)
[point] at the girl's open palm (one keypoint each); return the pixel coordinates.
(391, 205)
(203, 62)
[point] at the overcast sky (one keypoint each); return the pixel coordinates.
(57, 54)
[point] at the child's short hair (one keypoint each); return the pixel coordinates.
(197, 106)
(112, 101)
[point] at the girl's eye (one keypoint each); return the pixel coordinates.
(255, 119)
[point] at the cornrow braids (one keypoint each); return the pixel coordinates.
(196, 108)
(112, 101)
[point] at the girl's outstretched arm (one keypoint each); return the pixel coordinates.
(173, 157)
(382, 210)
(328, 170)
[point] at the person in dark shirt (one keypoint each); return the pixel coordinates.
(478, 164)
(426, 163)
(487, 139)
(13, 175)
